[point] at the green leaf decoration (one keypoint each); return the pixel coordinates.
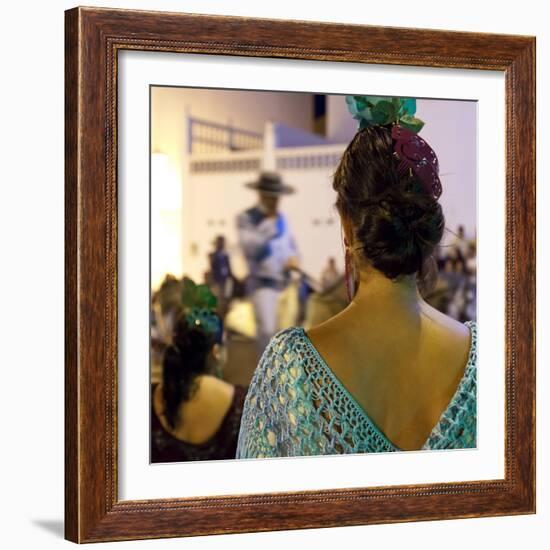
(206, 299)
(411, 123)
(197, 296)
(358, 107)
(199, 306)
(352, 106)
(409, 106)
(384, 112)
(372, 99)
(360, 103)
(371, 110)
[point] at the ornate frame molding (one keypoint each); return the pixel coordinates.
(93, 38)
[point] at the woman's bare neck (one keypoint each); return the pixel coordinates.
(379, 301)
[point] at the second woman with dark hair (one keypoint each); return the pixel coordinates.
(390, 372)
(195, 414)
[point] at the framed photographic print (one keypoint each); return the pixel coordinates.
(300, 274)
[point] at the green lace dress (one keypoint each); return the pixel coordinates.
(296, 406)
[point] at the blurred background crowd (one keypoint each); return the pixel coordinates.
(306, 301)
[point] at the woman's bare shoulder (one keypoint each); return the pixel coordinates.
(439, 332)
(444, 325)
(328, 329)
(212, 385)
(447, 337)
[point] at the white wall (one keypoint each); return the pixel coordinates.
(169, 106)
(244, 109)
(31, 225)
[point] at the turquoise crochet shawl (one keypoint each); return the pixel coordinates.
(296, 406)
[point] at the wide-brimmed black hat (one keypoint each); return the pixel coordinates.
(270, 182)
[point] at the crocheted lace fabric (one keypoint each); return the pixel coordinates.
(296, 406)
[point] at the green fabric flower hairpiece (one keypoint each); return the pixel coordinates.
(374, 110)
(199, 306)
(197, 296)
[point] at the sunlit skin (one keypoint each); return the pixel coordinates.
(400, 358)
(203, 414)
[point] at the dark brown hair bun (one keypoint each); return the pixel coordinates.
(395, 221)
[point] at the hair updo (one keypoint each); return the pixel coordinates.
(395, 222)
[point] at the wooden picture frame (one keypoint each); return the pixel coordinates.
(93, 38)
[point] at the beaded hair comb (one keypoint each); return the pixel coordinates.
(414, 153)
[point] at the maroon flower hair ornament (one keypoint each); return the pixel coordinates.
(416, 156)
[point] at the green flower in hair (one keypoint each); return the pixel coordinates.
(199, 306)
(203, 318)
(374, 110)
(197, 296)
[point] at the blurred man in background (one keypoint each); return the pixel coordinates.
(270, 251)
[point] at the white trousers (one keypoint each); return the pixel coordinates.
(265, 302)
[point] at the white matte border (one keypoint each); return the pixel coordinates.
(140, 480)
